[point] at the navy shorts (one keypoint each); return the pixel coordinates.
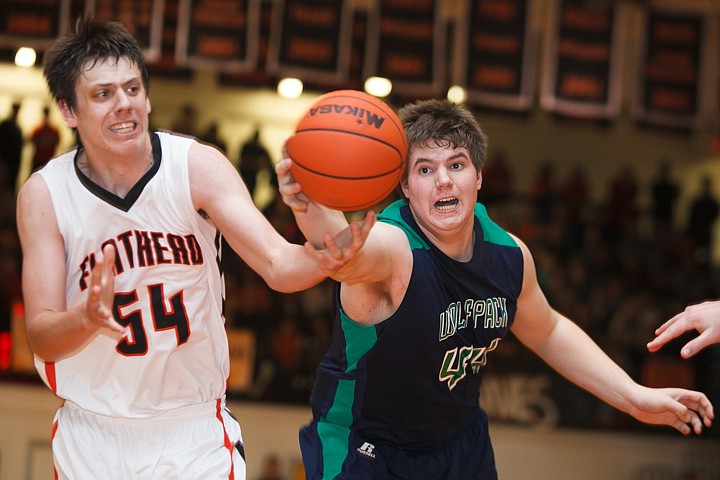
(330, 451)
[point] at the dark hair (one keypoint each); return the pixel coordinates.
(93, 41)
(442, 123)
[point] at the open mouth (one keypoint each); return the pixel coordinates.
(446, 203)
(125, 127)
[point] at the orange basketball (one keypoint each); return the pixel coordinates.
(348, 150)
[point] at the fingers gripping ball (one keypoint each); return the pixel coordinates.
(348, 150)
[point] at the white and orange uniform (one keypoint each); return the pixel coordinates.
(173, 362)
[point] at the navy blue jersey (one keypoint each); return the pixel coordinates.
(414, 379)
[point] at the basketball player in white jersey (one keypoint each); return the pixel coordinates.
(121, 274)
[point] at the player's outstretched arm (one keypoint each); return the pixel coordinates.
(703, 317)
(564, 346)
(364, 259)
(314, 220)
(341, 249)
(573, 354)
(220, 194)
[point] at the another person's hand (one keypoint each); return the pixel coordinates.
(290, 189)
(684, 410)
(99, 306)
(703, 317)
(337, 251)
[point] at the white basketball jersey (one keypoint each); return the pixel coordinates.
(168, 290)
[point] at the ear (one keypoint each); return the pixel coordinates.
(147, 104)
(67, 114)
(479, 179)
(404, 187)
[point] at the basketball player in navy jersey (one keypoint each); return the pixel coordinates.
(423, 307)
(121, 274)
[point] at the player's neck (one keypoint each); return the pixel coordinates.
(114, 172)
(458, 246)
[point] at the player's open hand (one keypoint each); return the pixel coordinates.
(684, 410)
(339, 250)
(703, 317)
(99, 305)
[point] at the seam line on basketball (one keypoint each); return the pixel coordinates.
(339, 177)
(304, 130)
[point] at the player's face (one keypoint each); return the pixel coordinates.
(442, 186)
(112, 108)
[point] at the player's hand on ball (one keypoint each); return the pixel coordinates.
(99, 305)
(339, 250)
(348, 151)
(290, 190)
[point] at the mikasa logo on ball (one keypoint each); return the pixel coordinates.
(362, 114)
(348, 151)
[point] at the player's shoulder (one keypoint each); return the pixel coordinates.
(492, 232)
(34, 206)
(32, 188)
(170, 135)
(204, 158)
(176, 145)
(57, 171)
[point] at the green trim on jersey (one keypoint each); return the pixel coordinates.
(491, 231)
(391, 215)
(359, 339)
(334, 439)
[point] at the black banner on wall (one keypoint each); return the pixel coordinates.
(32, 23)
(670, 72)
(165, 65)
(143, 18)
(311, 39)
(218, 34)
(498, 61)
(259, 76)
(407, 44)
(583, 60)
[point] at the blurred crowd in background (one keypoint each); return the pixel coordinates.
(618, 267)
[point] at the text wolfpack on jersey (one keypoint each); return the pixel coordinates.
(487, 313)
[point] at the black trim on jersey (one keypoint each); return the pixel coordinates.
(238, 445)
(124, 204)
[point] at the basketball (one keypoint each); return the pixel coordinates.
(348, 150)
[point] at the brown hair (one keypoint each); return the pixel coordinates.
(93, 41)
(443, 123)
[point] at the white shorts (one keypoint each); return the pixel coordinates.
(196, 442)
